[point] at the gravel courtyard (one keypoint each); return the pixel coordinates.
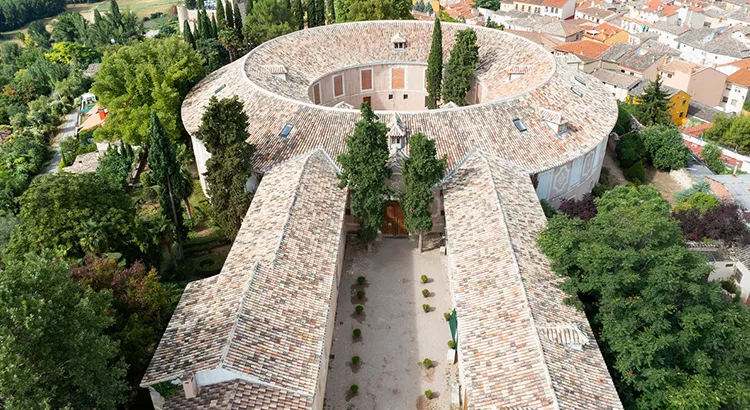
(397, 335)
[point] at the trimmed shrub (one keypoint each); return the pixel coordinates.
(630, 150)
(425, 293)
(447, 316)
(354, 388)
(702, 186)
(424, 278)
(359, 309)
(699, 201)
(636, 173)
(357, 333)
(428, 394)
(360, 294)
(355, 359)
(361, 280)
(426, 308)
(427, 363)
(451, 344)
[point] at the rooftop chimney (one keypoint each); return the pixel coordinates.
(190, 386)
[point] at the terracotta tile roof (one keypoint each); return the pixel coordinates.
(561, 28)
(542, 39)
(555, 3)
(240, 395)
(596, 12)
(264, 316)
(681, 66)
(271, 103)
(740, 77)
(697, 130)
(608, 29)
(84, 164)
(583, 48)
(743, 63)
(616, 79)
(520, 345)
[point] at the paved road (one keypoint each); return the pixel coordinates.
(66, 129)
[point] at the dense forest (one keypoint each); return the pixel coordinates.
(16, 13)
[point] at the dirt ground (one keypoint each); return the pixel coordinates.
(397, 335)
(614, 173)
(661, 180)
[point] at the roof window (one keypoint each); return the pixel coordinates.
(221, 87)
(519, 124)
(576, 91)
(286, 130)
(580, 80)
(399, 42)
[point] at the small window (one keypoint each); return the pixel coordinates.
(580, 80)
(576, 91)
(338, 85)
(684, 102)
(519, 124)
(724, 99)
(390, 96)
(669, 75)
(286, 130)
(221, 87)
(399, 46)
(406, 96)
(425, 100)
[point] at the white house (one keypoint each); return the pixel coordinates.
(711, 47)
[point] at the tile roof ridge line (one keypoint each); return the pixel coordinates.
(537, 338)
(230, 338)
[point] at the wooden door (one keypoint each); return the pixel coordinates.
(367, 100)
(394, 222)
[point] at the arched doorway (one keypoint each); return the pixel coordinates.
(394, 221)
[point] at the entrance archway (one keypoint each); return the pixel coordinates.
(394, 221)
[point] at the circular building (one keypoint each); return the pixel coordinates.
(302, 91)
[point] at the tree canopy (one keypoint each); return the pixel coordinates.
(435, 67)
(360, 10)
(665, 147)
(654, 105)
(223, 131)
(55, 351)
(670, 338)
(422, 170)
(16, 13)
(151, 75)
(364, 172)
(267, 20)
(461, 66)
(72, 214)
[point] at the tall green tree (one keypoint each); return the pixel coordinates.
(71, 27)
(230, 15)
(461, 66)
(670, 338)
(69, 212)
(165, 171)
(154, 74)
(231, 40)
(422, 170)
(341, 9)
(223, 131)
(191, 4)
(665, 147)
(268, 20)
(237, 17)
(330, 11)
(55, 349)
(361, 10)
(364, 172)
(654, 104)
(711, 155)
(114, 11)
(188, 34)
(298, 15)
(435, 67)
(221, 17)
(315, 13)
(248, 7)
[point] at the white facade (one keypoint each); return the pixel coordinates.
(690, 18)
(573, 179)
(666, 38)
(734, 97)
(696, 55)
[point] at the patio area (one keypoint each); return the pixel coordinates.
(396, 333)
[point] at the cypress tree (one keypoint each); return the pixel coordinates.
(654, 104)
(461, 66)
(237, 17)
(342, 10)
(187, 34)
(191, 4)
(248, 7)
(365, 171)
(230, 14)
(214, 27)
(221, 18)
(331, 13)
(114, 11)
(205, 25)
(201, 5)
(435, 67)
(422, 170)
(165, 172)
(223, 131)
(298, 15)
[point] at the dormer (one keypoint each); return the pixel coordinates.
(554, 120)
(396, 133)
(569, 335)
(399, 42)
(276, 70)
(517, 71)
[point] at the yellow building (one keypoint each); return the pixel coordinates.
(606, 33)
(679, 101)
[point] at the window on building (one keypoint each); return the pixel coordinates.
(390, 96)
(398, 78)
(338, 85)
(734, 102)
(286, 130)
(729, 87)
(684, 102)
(682, 114)
(316, 93)
(406, 96)
(519, 124)
(399, 46)
(669, 75)
(366, 79)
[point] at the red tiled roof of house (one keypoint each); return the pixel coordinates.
(741, 77)
(653, 5)
(554, 3)
(744, 63)
(697, 130)
(608, 29)
(583, 48)
(669, 10)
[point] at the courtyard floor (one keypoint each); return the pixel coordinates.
(397, 335)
